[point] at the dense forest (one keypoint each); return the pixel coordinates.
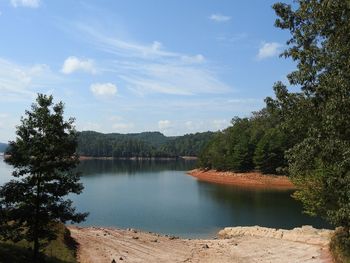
(255, 143)
(145, 144)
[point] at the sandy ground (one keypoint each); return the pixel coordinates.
(250, 180)
(105, 244)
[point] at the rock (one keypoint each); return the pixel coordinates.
(304, 234)
(154, 240)
(113, 261)
(135, 237)
(205, 246)
(121, 258)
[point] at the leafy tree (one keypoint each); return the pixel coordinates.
(250, 143)
(319, 113)
(269, 152)
(44, 157)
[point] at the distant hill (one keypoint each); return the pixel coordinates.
(144, 144)
(3, 147)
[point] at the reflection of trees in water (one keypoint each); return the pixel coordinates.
(95, 167)
(237, 197)
(270, 208)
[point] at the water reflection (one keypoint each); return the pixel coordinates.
(158, 196)
(97, 166)
(262, 207)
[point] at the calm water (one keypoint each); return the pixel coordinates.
(158, 196)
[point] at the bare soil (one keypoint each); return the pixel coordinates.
(249, 180)
(234, 245)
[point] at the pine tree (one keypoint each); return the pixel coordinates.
(44, 157)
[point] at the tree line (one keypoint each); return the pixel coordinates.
(3, 147)
(145, 144)
(254, 143)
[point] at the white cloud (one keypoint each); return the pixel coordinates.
(269, 49)
(189, 124)
(231, 38)
(72, 64)
(123, 127)
(103, 89)
(25, 3)
(175, 79)
(164, 124)
(219, 18)
(115, 118)
(220, 124)
(7, 127)
(19, 82)
(150, 68)
(89, 126)
(193, 59)
(3, 117)
(124, 48)
(156, 45)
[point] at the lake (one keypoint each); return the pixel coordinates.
(158, 196)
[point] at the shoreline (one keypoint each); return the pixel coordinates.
(136, 158)
(234, 244)
(248, 180)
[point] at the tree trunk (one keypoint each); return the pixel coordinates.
(36, 223)
(36, 249)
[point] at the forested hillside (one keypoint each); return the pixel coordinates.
(3, 147)
(254, 143)
(145, 144)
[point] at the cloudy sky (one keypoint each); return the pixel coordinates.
(173, 66)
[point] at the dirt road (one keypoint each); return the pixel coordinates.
(234, 245)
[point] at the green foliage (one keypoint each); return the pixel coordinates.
(186, 145)
(250, 143)
(44, 157)
(269, 152)
(60, 250)
(145, 144)
(340, 246)
(319, 113)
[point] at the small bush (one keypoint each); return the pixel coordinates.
(340, 245)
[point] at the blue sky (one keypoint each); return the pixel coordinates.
(173, 66)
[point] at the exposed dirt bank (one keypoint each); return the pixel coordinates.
(252, 179)
(241, 244)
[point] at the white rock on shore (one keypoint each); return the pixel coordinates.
(304, 234)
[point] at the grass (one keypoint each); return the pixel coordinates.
(340, 246)
(60, 250)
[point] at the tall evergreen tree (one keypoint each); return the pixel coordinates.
(44, 157)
